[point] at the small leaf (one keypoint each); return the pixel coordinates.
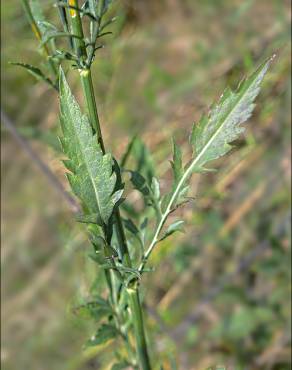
(36, 72)
(96, 309)
(105, 333)
(174, 227)
(151, 194)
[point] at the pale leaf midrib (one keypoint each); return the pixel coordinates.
(192, 165)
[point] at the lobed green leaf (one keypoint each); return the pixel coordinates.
(91, 176)
(35, 72)
(212, 135)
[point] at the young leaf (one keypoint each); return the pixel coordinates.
(96, 309)
(92, 178)
(174, 227)
(104, 333)
(36, 72)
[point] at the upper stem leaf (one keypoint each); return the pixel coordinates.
(92, 178)
(211, 136)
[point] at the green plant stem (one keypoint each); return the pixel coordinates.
(87, 86)
(135, 304)
(88, 91)
(77, 30)
(137, 313)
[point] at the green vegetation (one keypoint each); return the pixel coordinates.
(218, 293)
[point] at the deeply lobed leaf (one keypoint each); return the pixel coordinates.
(210, 139)
(212, 136)
(36, 72)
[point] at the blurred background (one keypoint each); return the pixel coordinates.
(221, 293)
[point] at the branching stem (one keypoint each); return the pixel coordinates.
(227, 116)
(88, 91)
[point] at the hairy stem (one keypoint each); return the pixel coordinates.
(88, 91)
